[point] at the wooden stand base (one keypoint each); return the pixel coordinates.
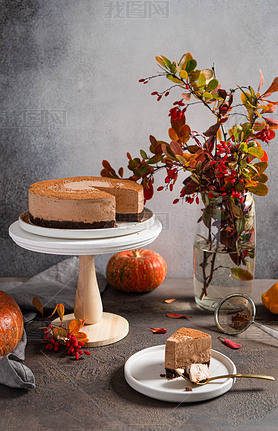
(110, 329)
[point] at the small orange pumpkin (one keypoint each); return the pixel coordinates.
(11, 324)
(136, 270)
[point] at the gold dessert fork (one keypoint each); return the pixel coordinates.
(204, 382)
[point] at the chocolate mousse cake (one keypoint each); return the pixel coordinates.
(85, 202)
(188, 350)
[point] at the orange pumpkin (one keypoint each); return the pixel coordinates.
(11, 324)
(136, 270)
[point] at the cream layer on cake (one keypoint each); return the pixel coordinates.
(187, 346)
(81, 202)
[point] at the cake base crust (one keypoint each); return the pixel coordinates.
(71, 224)
(130, 217)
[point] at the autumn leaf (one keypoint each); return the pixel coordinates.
(59, 333)
(159, 330)
(242, 274)
(261, 80)
(38, 305)
(176, 148)
(178, 316)
(60, 310)
(75, 325)
(81, 336)
(230, 343)
(168, 301)
(272, 88)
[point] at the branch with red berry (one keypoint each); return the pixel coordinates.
(215, 160)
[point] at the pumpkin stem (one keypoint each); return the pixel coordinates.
(136, 253)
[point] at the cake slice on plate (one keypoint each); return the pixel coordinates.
(189, 350)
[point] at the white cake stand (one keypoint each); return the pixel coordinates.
(101, 328)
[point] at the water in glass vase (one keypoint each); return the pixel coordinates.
(213, 274)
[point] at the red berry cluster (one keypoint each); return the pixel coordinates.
(177, 113)
(74, 347)
(265, 135)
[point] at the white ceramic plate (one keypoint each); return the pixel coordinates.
(122, 228)
(143, 369)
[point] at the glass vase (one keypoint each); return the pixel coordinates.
(224, 248)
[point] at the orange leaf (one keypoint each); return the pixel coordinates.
(272, 123)
(178, 316)
(75, 325)
(38, 305)
(172, 134)
(61, 311)
(265, 157)
(272, 88)
(81, 336)
(159, 330)
(168, 301)
(54, 311)
(261, 80)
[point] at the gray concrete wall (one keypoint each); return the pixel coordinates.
(70, 97)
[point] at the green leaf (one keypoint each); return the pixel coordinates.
(202, 80)
(181, 159)
(166, 61)
(174, 79)
(212, 85)
(242, 274)
(143, 154)
(207, 95)
(240, 223)
(207, 217)
(256, 152)
(191, 65)
(259, 190)
(243, 147)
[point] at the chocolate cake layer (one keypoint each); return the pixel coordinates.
(130, 217)
(71, 224)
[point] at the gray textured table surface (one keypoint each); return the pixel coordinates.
(92, 393)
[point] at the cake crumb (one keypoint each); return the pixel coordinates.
(188, 388)
(162, 375)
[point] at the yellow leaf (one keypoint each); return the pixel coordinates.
(183, 74)
(38, 305)
(61, 311)
(219, 135)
